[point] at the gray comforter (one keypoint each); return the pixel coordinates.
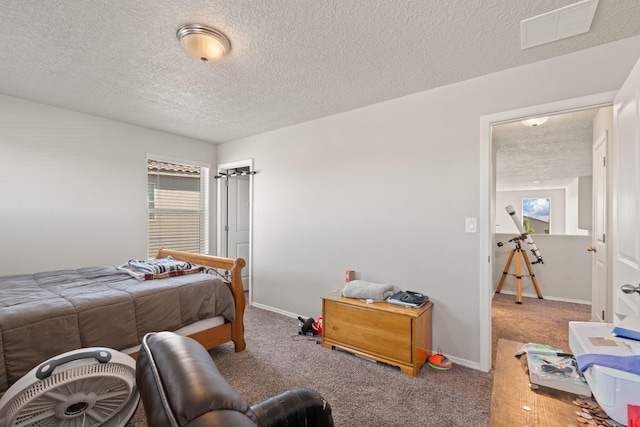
(46, 314)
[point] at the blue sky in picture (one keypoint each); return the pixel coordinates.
(536, 208)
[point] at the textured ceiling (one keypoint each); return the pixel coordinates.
(552, 154)
(290, 61)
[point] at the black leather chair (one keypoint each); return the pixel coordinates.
(180, 385)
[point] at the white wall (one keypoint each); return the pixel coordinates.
(572, 203)
(565, 274)
(579, 206)
(585, 204)
(557, 207)
(385, 190)
(73, 186)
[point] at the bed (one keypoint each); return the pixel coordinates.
(46, 314)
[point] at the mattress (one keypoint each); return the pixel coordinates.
(46, 314)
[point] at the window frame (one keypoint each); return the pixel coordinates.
(205, 206)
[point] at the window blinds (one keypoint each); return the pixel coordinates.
(178, 207)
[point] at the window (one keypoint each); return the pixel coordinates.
(535, 215)
(178, 206)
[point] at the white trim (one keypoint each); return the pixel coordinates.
(173, 159)
(485, 227)
(206, 201)
(275, 310)
(487, 217)
(462, 362)
(222, 215)
(237, 164)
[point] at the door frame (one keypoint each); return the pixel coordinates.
(222, 210)
(487, 199)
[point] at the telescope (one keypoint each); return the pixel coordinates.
(523, 235)
(520, 254)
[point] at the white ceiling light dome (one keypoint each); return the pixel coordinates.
(203, 43)
(536, 121)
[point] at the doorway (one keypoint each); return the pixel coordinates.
(545, 171)
(235, 215)
(488, 206)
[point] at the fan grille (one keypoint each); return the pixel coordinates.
(83, 396)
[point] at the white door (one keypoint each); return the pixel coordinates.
(600, 288)
(238, 224)
(626, 196)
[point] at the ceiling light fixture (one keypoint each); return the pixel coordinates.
(535, 121)
(203, 43)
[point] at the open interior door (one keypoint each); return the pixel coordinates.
(626, 196)
(238, 222)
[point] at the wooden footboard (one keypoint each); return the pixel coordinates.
(230, 331)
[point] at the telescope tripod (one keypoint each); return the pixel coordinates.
(519, 253)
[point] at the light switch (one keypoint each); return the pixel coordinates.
(471, 225)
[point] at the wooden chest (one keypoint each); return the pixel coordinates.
(398, 336)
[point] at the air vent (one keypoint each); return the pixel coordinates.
(558, 24)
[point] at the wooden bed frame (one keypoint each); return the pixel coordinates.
(229, 331)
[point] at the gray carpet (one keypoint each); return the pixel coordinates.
(363, 393)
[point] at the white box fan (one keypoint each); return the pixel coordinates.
(81, 388)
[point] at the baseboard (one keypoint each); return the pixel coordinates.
(463, 362)
(575, 301)
(275, 310)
